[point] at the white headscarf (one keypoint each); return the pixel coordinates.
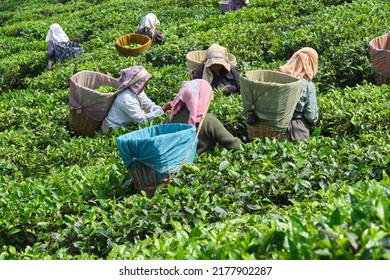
(215, 54)
(150, 21)
(57, 33)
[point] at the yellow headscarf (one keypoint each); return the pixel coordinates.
(303, 63)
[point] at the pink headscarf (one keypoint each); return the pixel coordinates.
(303, 63)
(196, 95)
(134, 78)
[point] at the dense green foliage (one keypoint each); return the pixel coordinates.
(64, 196)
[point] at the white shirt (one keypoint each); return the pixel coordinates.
(129, 107)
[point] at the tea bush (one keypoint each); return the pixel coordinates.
(69, 197)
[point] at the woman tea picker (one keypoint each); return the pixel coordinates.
(234, 5)
(303, 64)
(218, 70)
(132, 104)
(190, 106)
(148, 27)
(54, 35)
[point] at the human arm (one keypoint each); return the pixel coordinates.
(145, 31)
(198, 72)
(167, 106)
(310, 110)
(232, 82)
(159, 38)
(50, 48)
(236, 79)
(148, 106)
(133, 107)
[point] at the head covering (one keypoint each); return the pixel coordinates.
(150, 21)
(57, 33)
(134, 78)
(303, 63)
(215, 54)
(196, 95)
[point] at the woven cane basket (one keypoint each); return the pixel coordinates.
(144, 41)
(381, 79)
(380, 58)
(154, 155)
(196, 58)
(82, 124)
(262, 131)
(146, 179)
(88, 107)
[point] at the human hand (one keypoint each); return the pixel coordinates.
(167, 106)
(225, 89)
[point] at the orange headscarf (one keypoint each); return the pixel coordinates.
(303, 63)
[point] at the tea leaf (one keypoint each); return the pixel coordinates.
(223, 165)
(335, 219)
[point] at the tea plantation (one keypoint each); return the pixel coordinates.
(67, 197)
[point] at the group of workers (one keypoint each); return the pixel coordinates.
(194, 96)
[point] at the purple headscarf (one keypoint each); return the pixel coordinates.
(134, 78)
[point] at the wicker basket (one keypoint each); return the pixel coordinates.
(381, 79)
(146, 179)
(196, 58)
(380, 58)
(82, 124)
(144, 41)
(262, 131)
(88, 107)
(153, 155)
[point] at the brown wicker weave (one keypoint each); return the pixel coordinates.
(380, 58)
(143, 40)
(262, 131)
(146, 179)
(87, 106)
(82, 124)
(195, 59)
(381, 79)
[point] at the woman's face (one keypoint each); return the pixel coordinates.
(216, 68)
